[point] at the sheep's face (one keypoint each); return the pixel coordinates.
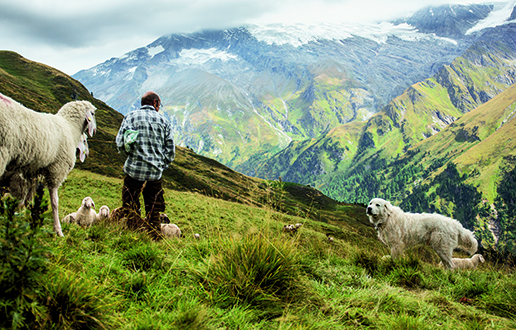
(87, 202)
(104, 211)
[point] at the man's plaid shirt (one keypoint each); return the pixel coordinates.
(154, 147)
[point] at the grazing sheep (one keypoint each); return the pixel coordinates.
(19, 187)
(103, 213)
(468, 263)
(197, 236)
(170, 230)
(298, 225)
(34, 144)
(86, 215)
(117, 215)
(70, 218)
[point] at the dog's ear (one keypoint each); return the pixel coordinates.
(388, 206)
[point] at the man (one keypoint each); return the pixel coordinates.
(145, 136)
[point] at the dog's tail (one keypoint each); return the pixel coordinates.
(468, 241)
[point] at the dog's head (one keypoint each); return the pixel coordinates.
(378, 210)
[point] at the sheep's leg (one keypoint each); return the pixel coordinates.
(54, 200)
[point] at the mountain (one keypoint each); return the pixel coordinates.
(424, 109)
(245, 93)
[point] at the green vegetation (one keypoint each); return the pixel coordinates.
(244, 273)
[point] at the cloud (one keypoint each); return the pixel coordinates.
(72, 34)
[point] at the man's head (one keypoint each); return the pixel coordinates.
(151, 98)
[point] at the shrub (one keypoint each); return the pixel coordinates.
(253, 271)
(23, 264)
(143, 257)
(76, 303)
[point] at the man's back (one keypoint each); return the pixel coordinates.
(152, 148)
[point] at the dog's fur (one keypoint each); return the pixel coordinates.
(400, 230)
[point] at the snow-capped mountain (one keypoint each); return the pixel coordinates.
(249, 91)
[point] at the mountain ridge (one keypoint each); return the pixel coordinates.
(282, 76)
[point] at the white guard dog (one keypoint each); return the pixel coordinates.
(399, 231)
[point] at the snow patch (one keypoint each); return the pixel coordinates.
(300, 34)
(499, 16)
(201, 56)
(155, 50)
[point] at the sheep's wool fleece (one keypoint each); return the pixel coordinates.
(53, 139)
(170, 230)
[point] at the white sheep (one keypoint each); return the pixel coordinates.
(34, 144)
(103, 213)
(86, 215)
(70, 218)
(468, 263)
(197, 236)
(170, 230)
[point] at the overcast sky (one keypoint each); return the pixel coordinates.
(72, 35)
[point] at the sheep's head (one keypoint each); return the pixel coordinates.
(87, 202)
(80, 112)
(104, 211)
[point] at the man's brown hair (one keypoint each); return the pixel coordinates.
(149, 98)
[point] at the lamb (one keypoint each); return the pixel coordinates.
(468, 263)
(86, 215)
(70, 218)
(170, 230)
(34, 144)
(103, 213)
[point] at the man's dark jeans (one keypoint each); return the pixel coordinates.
(153, 197)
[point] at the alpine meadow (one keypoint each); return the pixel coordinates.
(283, 137)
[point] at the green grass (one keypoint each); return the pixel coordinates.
(246, 273)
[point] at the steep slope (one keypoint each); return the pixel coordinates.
(338, 164)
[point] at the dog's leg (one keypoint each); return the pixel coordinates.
(443, 246)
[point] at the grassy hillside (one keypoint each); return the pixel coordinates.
(244, 273)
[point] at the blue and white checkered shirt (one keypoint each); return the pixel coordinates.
(153, 150)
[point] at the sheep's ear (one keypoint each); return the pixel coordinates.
(83, 148)
(92, 124)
